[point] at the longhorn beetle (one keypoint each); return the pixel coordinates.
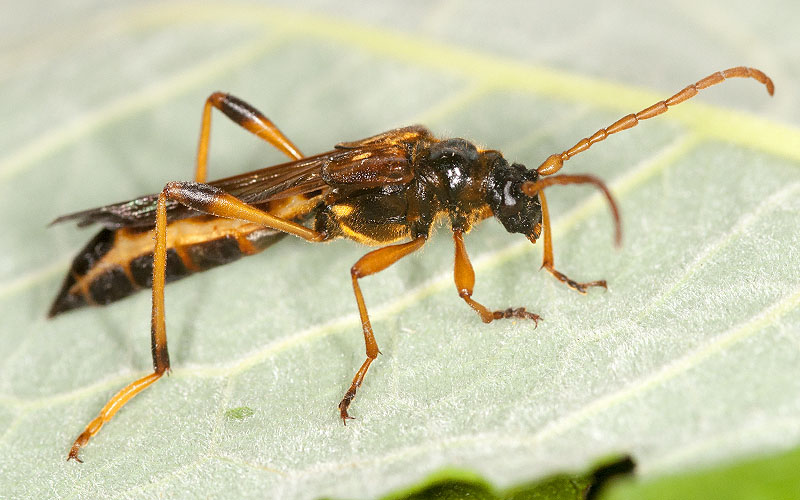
(387, 190)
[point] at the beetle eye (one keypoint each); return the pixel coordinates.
(508, 197)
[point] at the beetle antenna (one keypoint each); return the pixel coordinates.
(554, 162)
(531, 188)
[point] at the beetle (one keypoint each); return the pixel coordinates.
(388, 190)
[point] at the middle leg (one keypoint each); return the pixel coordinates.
(371, 263)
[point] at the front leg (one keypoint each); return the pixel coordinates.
(464, 277)
(547, 259)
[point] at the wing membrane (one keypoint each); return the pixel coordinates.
(375, 161)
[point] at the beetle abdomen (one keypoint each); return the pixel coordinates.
(116, 263)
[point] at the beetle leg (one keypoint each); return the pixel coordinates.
(247, 117)
(214, 201)
(207, 199)
(547, 260)
(158, 338)
(371, 263)
(464, 277)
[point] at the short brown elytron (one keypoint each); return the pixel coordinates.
(388, 190)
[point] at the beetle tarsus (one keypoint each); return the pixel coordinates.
(582, 287)
(517, 312)
(76, 446)
(578, 287)
(345, 404)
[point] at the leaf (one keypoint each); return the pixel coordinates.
(773, 477)
(455, 484)
(688, 359)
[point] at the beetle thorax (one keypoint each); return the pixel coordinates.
(452, 169)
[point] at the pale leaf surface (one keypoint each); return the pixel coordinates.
(690, 358)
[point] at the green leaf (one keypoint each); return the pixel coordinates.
(688, 359)
(771, 477)
(456, 484)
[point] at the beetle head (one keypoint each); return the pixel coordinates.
(517, 211)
